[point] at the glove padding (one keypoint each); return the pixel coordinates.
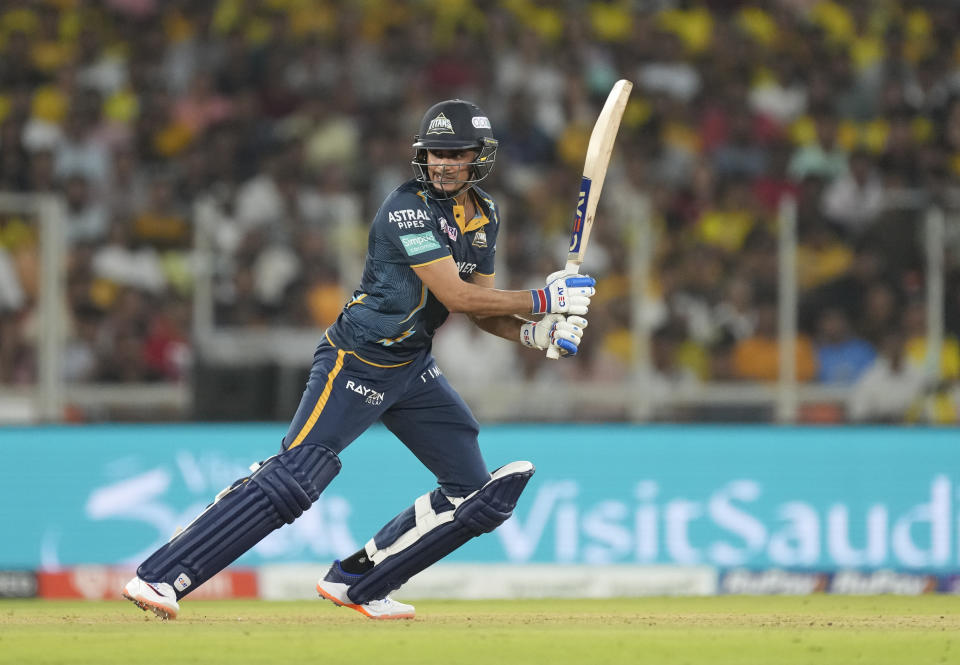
(565, 293)
(563, 332)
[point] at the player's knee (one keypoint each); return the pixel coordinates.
(474, 427)
(465, 429)
(493, 504)
(294, 479)
(483, 517)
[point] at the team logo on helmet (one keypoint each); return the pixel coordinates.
(440, 125)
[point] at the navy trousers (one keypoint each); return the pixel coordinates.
(346, 394)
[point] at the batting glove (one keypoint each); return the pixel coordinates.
(564, 332)
(564, 294)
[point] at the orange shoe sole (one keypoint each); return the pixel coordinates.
(145, 605)
(360, 609)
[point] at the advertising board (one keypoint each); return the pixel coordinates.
(732, 497)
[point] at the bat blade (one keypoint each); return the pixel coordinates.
(594, 172)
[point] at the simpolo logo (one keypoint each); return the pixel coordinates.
(418, 243)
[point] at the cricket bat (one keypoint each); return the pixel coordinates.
(594, 171)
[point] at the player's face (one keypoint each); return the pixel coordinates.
(450, 169)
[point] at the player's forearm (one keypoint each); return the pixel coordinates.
(507, 327)
(481, 301)
(564, 294)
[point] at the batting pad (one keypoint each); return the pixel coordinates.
(241, 516)
(435, 535)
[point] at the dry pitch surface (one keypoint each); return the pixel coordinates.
(824, 630)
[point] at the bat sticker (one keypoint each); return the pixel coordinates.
(581, 213)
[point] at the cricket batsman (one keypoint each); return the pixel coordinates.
(430, 252)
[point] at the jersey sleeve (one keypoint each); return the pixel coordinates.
(409, 231)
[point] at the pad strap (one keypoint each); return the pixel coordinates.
(434, 534)
(426, 518)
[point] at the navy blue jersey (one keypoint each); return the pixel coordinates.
(392, 316)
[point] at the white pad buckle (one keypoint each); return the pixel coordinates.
(428, 519)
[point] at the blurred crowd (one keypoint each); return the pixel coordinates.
(286, 122)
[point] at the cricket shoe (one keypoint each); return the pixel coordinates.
(334, 588)
(158, 598)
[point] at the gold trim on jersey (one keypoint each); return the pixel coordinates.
(399, 338)
(466, 227)
(423, 301)
(493, 209)
(321, 402)
(417, 265)
(357, 300)
(478, 220)
(370, 362)
(362, 359)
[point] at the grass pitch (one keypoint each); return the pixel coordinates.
(821, 630)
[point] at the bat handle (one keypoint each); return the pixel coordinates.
(553, 352)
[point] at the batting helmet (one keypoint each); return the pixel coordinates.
(455, 125)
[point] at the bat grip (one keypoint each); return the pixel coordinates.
(553, 352)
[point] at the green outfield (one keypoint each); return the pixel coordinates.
(821, 630)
